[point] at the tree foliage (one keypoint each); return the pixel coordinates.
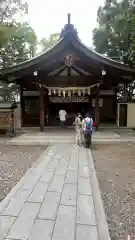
(115, 37)
(12, 34)
(18, 41)
(10, 9)
(20, 46)
(115, 34)
(47, 43)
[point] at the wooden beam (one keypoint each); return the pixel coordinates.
(77, 70)
(69, 71)
(125, 91)
(97, 107)
(60, 71)
(41, 102)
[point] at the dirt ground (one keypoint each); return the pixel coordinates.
(14, 162)
(115, 167)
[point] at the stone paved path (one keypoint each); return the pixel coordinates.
(58, 199)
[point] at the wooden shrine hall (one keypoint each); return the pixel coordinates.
(73, 77)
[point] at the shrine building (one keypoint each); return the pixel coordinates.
(73, 77)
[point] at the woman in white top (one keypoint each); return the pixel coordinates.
(78, 129)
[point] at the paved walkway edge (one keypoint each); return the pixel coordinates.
(102, 226)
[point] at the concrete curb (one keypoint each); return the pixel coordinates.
(103, 231)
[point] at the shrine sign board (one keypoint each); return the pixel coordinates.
(100, 102)
(68, 99)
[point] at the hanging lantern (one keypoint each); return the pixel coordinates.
(83, 92)
(35, 73)
(69, 93)
(64, 93)
(54, 91)
(73, 92)
(49, 93)
(79, 93)
(89, 91)
(59, 93)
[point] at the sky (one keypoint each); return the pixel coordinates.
(49, 16)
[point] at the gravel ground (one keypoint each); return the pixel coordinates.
(115, 167)
(14, 162)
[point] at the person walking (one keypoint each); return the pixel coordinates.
(62, 117)
(87, 124)
(78, 129)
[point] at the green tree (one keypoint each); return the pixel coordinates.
(115, 36)
(14, 41)
(115, 33)
(47, 43)
(20, 47)
(10, 9)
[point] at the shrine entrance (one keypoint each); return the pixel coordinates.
(71, 108)
(73, 77)
(71, 104)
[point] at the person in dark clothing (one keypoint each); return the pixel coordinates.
(87, 124)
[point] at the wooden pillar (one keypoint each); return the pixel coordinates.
(41, 102)
(125, 91)
(97, 107)
(22, 105)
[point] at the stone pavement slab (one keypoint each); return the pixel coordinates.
(84, 186)
(50, 206)
(39, 192)
(42, 230)
(57, 184)
(69, 194)
(57, 199)
(24, 223)
(47, 176)
(85, 210)
(86, 232)
(16, 204)
(7, 222)
(71, 176)
(65, 223)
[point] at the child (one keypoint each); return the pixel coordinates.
(78, 128)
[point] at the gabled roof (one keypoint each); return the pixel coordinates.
(69, 43)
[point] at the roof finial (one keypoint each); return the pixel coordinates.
(69, 18)
(68, 28)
